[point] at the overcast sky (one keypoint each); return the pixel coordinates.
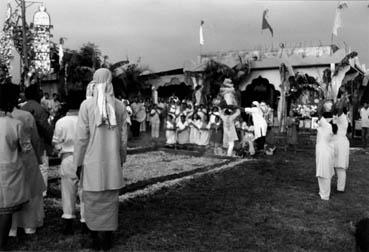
(165, 33)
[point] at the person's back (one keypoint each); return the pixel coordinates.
(102, 146)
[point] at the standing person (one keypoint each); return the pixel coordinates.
(135, 123)
(99, 153)
(63, 140)
(45, 101)
(170, 130)
(324, 154)
(32, 214)
(248, 136)
(341, 149)
(141, 116)
(182, 130)
(292, 137)
(14, 193)
(364, 115)
(216, 133)
(44, 129)
(155, 122)
(229, 129)
(260, 124)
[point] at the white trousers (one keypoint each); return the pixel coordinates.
(44, 168)
(324, 188)
(230, 148)
(341, 179)
(69, 187)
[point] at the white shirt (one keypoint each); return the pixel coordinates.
(364, 114)
(65, 131)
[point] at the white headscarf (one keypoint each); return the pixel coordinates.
(103, 95)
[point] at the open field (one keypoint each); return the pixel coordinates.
(269, 205)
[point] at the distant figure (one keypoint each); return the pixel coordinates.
(324, 154)
(292, 136)
(364, 115)
(260, 124)
(155, 122)
(229, 129)
(341, 149)
(99, 153)
(45, 101)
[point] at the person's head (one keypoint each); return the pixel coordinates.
(183, 118)
(74, 100)
(366, 104)
(255, 104)
(170, 117)
(291, 113)
(345, 110)
(215, 109)
(8, 97)
(103, 76)
(327, 114)
(217, 118)
(46, 95)
(228, 112)
(33, 93)
(55, 96)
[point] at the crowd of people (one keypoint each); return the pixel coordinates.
(187, 123)
(91, 141)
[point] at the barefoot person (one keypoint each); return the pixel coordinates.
(99, 153)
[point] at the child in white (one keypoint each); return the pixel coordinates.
(63, 139)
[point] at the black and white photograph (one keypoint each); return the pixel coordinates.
(184, 125)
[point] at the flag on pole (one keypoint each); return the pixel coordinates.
(201, 33)
(338, 18)
(265, 24)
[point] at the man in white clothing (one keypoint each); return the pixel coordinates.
(364, 115)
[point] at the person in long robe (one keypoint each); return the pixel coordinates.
(216, 133)
(260, 124)
(229, 129)
(341, 149)
(182, 130)
(14, 194)
(155, 122)
(292, 136)
(45, 130)
(99, 153)
(32, 214)
(194, 128)
(324, 156)
(170, 130)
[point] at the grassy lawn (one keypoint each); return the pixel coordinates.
(273, 206)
